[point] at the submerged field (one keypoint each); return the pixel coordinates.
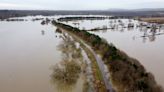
(30, 54)
(136, 78)
(38, 56)
(140, 42)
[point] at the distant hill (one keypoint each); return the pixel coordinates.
(150, 9)
(143, 9)
(115, 12)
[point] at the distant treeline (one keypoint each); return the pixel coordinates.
(82, 18)
(18, 13)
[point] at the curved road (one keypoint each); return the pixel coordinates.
(102, 69)
(100, 65)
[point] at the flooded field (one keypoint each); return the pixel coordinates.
(29, 56)
(135, 38)
(36, 56)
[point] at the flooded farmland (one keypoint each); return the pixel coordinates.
(81, 46)
(29, 56)
(140, 42)
(36, 56)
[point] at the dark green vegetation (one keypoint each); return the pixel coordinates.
(127, 74)
(16, 20)
(81, 18)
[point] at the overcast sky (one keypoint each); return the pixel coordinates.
(80, 4)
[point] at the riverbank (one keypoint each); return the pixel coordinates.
(119, 64)
(98, 81)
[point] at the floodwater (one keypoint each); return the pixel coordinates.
(141, 43)
(29, 52)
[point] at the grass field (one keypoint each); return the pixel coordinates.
(159, 20)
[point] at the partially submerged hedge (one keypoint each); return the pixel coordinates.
(127, 74)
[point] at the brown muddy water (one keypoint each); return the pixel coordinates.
(138, 42)
(29, 52)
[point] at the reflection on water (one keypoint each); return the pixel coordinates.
(146, 31)
(151, 34)
(27, 52)
(143, 41)
(43, 32)
(29, 49)
(26, 56)
(67, 73)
